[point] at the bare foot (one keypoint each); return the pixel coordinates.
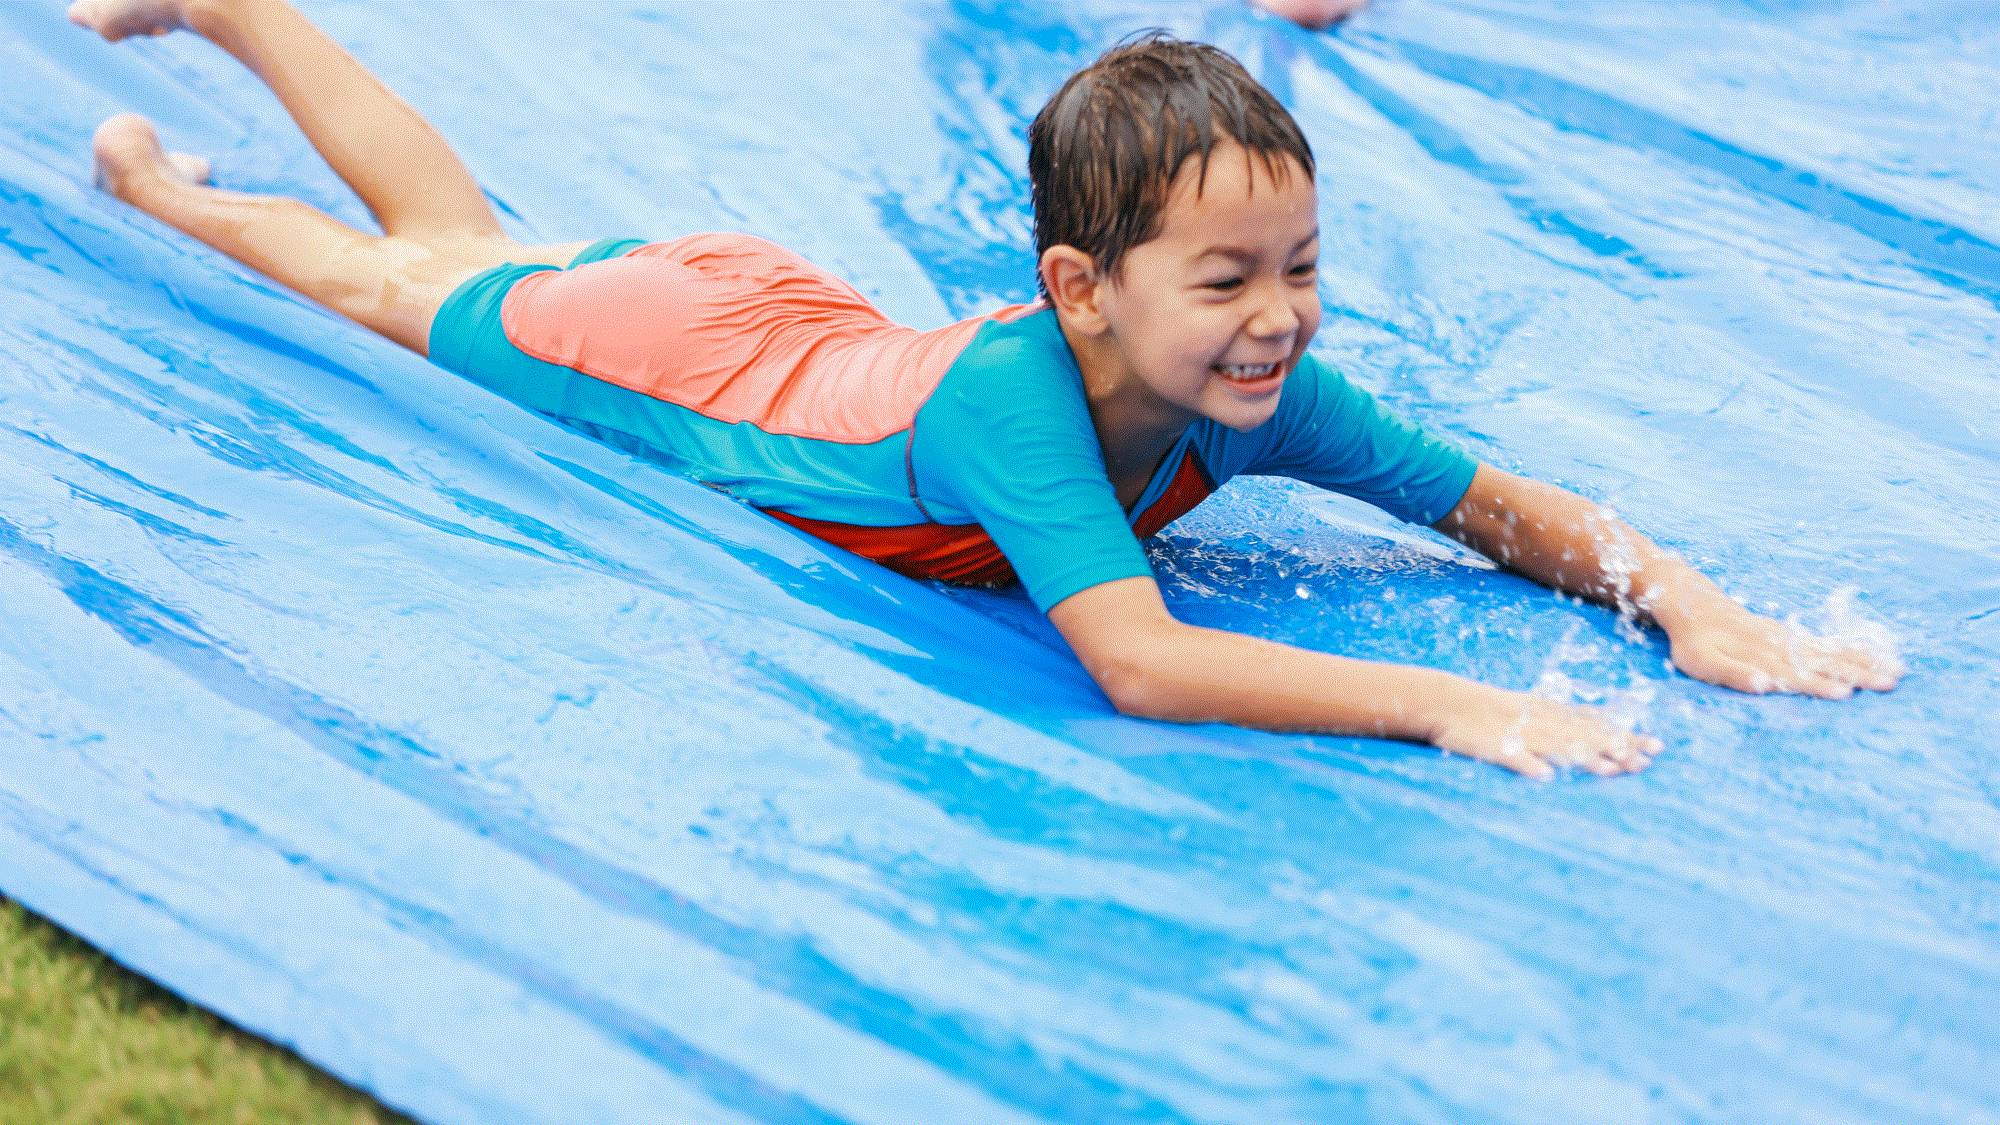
(122, 19)
(129, 157)
(1315, 14)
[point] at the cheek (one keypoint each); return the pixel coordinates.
(1190, 334)
(1212, 329)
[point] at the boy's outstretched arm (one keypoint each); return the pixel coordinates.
(1565, 541)
(1153, 666)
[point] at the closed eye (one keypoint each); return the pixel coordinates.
(1224, 285)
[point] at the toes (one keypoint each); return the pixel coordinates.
(122, 19)
(124, 147)
(118, 136)
(98, 16)
(194, 169)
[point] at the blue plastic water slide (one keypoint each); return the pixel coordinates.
(513, 778)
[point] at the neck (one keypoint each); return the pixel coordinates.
(1134, 426)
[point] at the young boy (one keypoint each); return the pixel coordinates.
(1177, 228)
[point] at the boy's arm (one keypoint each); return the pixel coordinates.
(1153, 666)
(1565, 541)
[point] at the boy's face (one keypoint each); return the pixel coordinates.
(1215, 311)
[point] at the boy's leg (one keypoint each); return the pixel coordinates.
(389, 284)
(399, 165)
(440, 228)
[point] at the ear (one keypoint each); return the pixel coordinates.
(1075, 290)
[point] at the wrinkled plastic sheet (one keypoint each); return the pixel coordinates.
(512, 778)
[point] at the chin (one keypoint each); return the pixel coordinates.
(1225, 405)
(1243, 416)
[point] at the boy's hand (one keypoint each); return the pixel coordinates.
(1720, 642)
(1567, 542)
(1533, 736)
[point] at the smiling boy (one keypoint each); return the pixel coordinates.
(1177, 233)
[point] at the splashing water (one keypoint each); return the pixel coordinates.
(1623, 706)
(1841, 618)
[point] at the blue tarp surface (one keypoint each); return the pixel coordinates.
(515, 779)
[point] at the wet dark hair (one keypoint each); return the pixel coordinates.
(1104, 151)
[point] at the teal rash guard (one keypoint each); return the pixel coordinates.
(966, 453)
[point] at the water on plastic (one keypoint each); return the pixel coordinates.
(513, 778)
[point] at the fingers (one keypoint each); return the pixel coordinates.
(1866, 668)
(1564, 736)
(1803, 666)
(1516, 757)
(1726, 671)
(1507, 748)
(1882, 676)
(1814, 669)
(1633, 752)
(1536, 737)
(1827, 669)
(1602, 766)
(1612, 752)
(1603, 760)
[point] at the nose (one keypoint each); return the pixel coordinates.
(1275, 317)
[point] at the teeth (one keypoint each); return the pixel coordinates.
(1246, 371)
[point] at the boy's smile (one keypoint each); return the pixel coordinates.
(1208, 317)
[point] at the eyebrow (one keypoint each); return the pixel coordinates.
(1242, 254)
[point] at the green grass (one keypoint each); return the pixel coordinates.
(83, 1040)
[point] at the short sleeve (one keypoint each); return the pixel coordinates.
(1006, 439)
(1333, 434)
